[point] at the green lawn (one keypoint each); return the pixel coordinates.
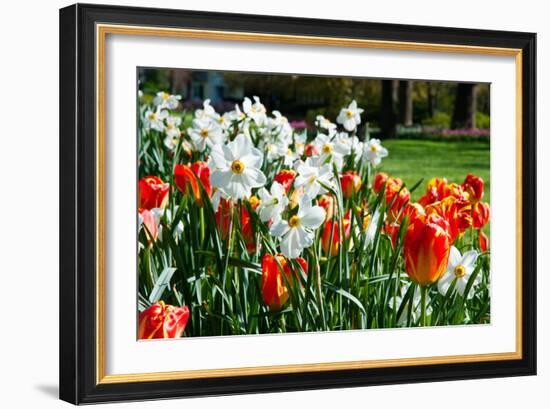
(412, 160)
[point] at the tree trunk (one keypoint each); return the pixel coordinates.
(387, 113)
(431, 99)
(464, 113)
(405, 103)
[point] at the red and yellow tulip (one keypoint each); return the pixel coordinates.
(274, 290)
(285, 177)
(331, 238)
(474, 186)
(162, 321)
(351, 182)
(426, 249)
(481, 214)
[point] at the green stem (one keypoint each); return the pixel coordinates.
(423, 290)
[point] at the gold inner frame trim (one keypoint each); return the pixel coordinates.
(101, 33)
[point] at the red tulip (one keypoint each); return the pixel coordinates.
(185, 175)
(285, 177)
(150, 223)
(480, 214)
(397, 197)
(379, 180)
(331, 236)
(311, 150)
(274, 290)
(473, 185)
(153, 192)
(162, 321)
(426, 249)
(483, 241)
(413, 211)
(351, 182)
(223, 219)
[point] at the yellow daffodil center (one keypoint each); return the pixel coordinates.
(327, 148)
(152, 116)
(373, 148)
(165, 96)
(170, 126)
(204, 133)
(460, 271)
(349, 114)
(237, 167)
(294, 221)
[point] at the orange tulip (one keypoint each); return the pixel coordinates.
(185, 175)
(351, 182)
(274, 290)
(331, 236)
(435, 191)
(413, 211)
(153, 192)
(150, 223)
(480, 214)
(398, 197)
(285, 177)
(426, 249)
(473, 185)
(162, 321)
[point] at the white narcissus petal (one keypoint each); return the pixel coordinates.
(314, 218)
(461, 285)
(469, 261)
(289, 245)
(445, 282)
(255, 177)
(280, 228)
(221, 178)
(277, 189)
(455, 258)
(305, 239)
(349, 124)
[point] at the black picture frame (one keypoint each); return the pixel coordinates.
(78, 360)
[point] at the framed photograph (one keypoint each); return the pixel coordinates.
(257, 203)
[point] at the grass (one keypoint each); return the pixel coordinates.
(412, 160)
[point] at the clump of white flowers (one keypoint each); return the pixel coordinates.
(246, 147)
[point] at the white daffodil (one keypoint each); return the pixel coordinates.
(207, 112)
(331, 148)
(279, 126)
(416, 305)
(255, 110)
(298, 232)
(311, 177)
(273, 202)
(205, 133)
(290, 158)
(155, 119)
(324, 123)
(374, 152)
(300, 140)
(172, 126)
(350, 117)
(461, 268)
(166, 100)
(236, 167)
(275, 150)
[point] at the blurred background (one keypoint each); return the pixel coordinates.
(431, 128)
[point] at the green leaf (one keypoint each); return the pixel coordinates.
(162, 283)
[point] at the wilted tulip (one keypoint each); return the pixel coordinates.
(153, 192)
(426, 249)
(162, 321)
(274, 289)
(351, 182)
